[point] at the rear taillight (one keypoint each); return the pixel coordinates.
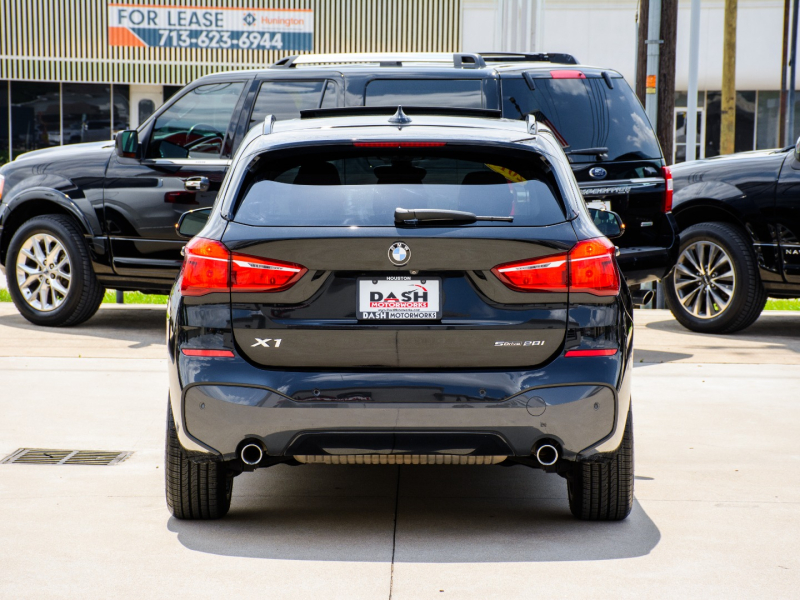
(666, 205)
(547, 274)
(567, 74)
(251, 274)
(587, 268)
(208, 266)
(592, 269)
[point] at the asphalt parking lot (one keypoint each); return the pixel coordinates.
(717, 512)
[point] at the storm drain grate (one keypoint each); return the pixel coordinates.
(44, 456)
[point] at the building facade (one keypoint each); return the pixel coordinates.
(77, 70)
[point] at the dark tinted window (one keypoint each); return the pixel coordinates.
(285, 99)
(585, 113)
(195, 126)
(363, 186)
(462, 93)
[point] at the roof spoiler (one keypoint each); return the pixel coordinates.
(460, 60)
(365, 111)
(551, 57)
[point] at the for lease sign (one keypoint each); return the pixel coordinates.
(210, 27)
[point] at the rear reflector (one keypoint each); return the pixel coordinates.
(209, 267)
(206, 268)
(399, 144)
(567, 74)
(252, 274)
(603, 352)
(587, 268)
(211, 353)
(667, 203)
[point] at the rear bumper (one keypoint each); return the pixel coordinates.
(641, 264)
(583, 418)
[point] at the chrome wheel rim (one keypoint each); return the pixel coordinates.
(44, 272)
(704, 280)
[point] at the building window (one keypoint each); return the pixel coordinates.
(35, 116)
(87, 113)
(122, 112)
(5, 146)
(768, 117)
(745, 122)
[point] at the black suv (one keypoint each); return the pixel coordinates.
(740, 238)
(77, 219)
(400, 289)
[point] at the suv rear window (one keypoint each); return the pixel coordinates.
(458, 93)
(352, 186)
(585, 113)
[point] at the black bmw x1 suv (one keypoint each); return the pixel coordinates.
(107, 219)
(400, 289)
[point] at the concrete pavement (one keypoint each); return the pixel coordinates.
(717, 512)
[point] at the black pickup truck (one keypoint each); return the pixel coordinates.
(77, 219)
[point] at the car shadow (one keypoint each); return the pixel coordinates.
(444, 515)
(141, 326)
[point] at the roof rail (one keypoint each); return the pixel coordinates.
(461, 60)
(552, 57)
(366, 111)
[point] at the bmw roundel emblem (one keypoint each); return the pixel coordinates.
(399, 253)
(597, 173)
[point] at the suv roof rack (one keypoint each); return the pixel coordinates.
(365, 111)
(461, 60)
(552, 57)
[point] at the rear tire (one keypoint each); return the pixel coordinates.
(194, 490)
(59, 292)
(738, 273)
(603, 491)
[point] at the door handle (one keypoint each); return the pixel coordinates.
(197, 184)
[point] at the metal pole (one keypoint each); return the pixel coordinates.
(691, 101)
(727, 134)
(792, 72)
(787, 11)
(653, 50)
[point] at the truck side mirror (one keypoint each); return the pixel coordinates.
(609, 223)
(127, 143)
(191, 222)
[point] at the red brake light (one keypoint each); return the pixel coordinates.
(567, 74)
(597, 352)
(209, 353)
(252, 274)
(592, 269)
(587, 268)
(399, 144)
(206, 268)
(2, 184)
(548, 274)
(667, 204)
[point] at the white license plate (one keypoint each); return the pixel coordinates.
(400, 297)
(599, 204)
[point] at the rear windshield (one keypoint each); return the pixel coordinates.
(586, 113)
(352, 186)
(458, 93)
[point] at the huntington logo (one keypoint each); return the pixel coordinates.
(249, 19)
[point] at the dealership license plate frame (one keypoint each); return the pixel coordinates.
(398, 281)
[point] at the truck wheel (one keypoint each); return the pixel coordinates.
(715, 286)
(194, 490)
(49, 272)
(603, 491)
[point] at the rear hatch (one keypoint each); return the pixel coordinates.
(608, 139)
(323, 276)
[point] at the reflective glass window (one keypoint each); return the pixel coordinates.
(87, 113)
(35, 116)
(195, 126)
(122, 110)
(768, 120)
(285, 99)
(460, 93)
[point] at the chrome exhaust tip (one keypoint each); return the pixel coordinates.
(547, 455)
(251, 454)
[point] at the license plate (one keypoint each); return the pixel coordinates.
(400, 297)
(599, 204)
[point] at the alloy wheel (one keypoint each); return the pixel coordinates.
(44, 272)
(704, 280)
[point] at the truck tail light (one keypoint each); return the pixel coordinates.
(567, 74)
(667, 203)
(252, 274)
(587, 268)
(208, 266)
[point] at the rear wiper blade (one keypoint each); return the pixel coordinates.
(437, 214)
(588, 151)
